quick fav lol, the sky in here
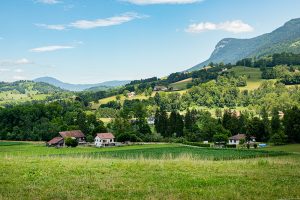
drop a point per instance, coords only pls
(91, 41)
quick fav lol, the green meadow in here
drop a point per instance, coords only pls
(152, 171)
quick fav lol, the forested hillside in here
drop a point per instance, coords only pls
(230, 50)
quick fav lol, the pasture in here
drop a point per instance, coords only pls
(181, 85)
(153, 171)
(253, 76)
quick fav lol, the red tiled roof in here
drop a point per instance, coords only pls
(74, 133)
(238, 137)
(105, 135)
(55, 140)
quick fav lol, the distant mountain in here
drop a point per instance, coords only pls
(80, 87)
(230, 50)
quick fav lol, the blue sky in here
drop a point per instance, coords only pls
(89, 41)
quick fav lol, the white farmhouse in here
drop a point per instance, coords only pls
(104, 139)
(236, 139)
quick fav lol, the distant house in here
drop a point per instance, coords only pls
(56, 142)
(224, 69)
(160, 88)
(151, 120)
(77, 134)
(131, 94)
(104, 139)
(280, 114)
(237, 138)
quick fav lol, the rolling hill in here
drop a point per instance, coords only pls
(230, 50)
(23, 91)
(80, 87)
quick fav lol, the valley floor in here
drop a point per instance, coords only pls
(26, 175)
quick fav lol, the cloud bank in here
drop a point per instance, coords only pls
(9, 63)
(235, 26)
(50, 48)
(48, 1)
(90, 24)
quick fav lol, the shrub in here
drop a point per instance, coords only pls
(279, 138)
(220, 138)
(255, 146)
(124, 137)
(71, 142)
(198, 144)
(231, 146)
(248, 146)
(242, 141)
(89, 138)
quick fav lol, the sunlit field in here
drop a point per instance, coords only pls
(160, 171)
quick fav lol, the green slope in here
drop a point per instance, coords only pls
(283, 39)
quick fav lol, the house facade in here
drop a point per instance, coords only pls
(160, 88)
(104, 139)
(237, 138)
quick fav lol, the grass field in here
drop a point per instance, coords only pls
(30, 171)
(294, 148)
(15, 96)
(181, 85)
(253, 74)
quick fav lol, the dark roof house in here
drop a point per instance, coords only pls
(57, 141)
(238, 137)
(105, 135)
(74, 134)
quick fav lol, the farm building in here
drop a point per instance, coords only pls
(60, 141)
(77, 134)
(104, 139)
(56, 142)
(160, 88)
(237, 138)
(151, 120)
(131, 94)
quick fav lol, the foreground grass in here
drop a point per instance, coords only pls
(161, 171)
(183, 178)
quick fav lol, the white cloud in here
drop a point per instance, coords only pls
(57, 27)
(17, 77)
(89, 24)
(149, 2)
(4, 70)
(18, 70)
(49, 1)
(50, 48)
(236, 26)
(8, 63)
(23, 61)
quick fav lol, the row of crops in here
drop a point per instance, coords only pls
(179, 152)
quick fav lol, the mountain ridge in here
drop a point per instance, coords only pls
(283, 39)
(80, 87)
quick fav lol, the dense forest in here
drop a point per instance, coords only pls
(42, 122)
